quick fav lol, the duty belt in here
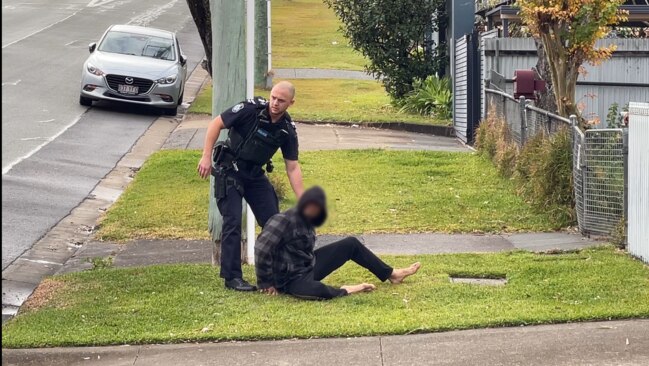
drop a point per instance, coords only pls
(225, 159)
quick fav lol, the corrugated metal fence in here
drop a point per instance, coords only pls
(638, 213)
(466, 87)
(622, 78)
(599, 160)
(460, 85)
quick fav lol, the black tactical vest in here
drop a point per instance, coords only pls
(259, 145)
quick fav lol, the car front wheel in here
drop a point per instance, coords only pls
(87, 102)
(170, 111)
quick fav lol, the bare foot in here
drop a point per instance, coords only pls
(363, 287)
(398, 275)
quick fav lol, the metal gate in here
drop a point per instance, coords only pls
(599, 160)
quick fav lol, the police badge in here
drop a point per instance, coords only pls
(237, 108)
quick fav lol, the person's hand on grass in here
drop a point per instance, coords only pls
(205, 167)
(272, 291)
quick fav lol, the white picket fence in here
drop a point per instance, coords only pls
(638, 173)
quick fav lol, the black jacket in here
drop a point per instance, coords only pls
(284, 250)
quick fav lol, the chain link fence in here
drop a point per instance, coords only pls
(524, 119)
(599, 160)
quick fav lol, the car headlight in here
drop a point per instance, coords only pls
(93, 70)
(168, 80)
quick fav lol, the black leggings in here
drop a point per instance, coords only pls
(328, 259)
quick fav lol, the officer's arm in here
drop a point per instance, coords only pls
(213, 131)
(294, 173)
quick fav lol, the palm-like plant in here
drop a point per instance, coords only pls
(430, 97)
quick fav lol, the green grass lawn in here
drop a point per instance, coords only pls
(334, 100)
(178, 303)
(306, 35)
(369, 191)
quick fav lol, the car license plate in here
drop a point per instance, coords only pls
(127, 89)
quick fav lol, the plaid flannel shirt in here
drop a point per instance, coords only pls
(284, 250)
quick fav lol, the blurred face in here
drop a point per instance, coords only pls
(280, 99)
(312, 211)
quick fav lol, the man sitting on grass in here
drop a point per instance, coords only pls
(286, 262)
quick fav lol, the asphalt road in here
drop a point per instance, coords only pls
(53, 150)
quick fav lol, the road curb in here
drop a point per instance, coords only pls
(614, 342)
(48, 255)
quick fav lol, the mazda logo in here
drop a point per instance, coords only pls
(128, 81)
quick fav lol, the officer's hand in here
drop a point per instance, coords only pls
(205, 167)
(272, 291)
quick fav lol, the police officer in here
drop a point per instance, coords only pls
(257, 129)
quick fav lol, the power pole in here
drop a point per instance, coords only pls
(228, 85)
(262, 50)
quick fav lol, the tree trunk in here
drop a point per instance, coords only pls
(572, 74)
(200, 10)
(546, 99)
(564, 74)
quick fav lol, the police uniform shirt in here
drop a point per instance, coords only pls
(242, 118)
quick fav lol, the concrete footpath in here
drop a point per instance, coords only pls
(190, 134)
(150, 252)
(313, 73)
(598, 343)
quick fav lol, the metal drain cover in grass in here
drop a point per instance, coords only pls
(480, 281)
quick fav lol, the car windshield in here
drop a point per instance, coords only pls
(138, 45)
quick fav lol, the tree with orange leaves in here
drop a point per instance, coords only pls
(569, 30)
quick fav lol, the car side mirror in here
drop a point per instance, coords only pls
(183, 60)
(91, 47)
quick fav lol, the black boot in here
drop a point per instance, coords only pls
(239, 284)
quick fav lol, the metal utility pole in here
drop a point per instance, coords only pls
(250, 93)
(228, 84)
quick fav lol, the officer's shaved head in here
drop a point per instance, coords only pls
(285, 86)
(282, 96)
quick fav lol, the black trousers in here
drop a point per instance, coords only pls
(261, 197)
(328, 259)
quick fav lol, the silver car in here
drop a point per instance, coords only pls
(135, 65)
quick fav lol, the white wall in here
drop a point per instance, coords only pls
(638, 173)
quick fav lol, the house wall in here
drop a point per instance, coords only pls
(461, 17)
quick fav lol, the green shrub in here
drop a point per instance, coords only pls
(393, 36)
(614, 119)
(506, 157)
(619, 234)
(526, 166)
(429, 97)
(486, 139)
(544, 173)
(542, 169)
